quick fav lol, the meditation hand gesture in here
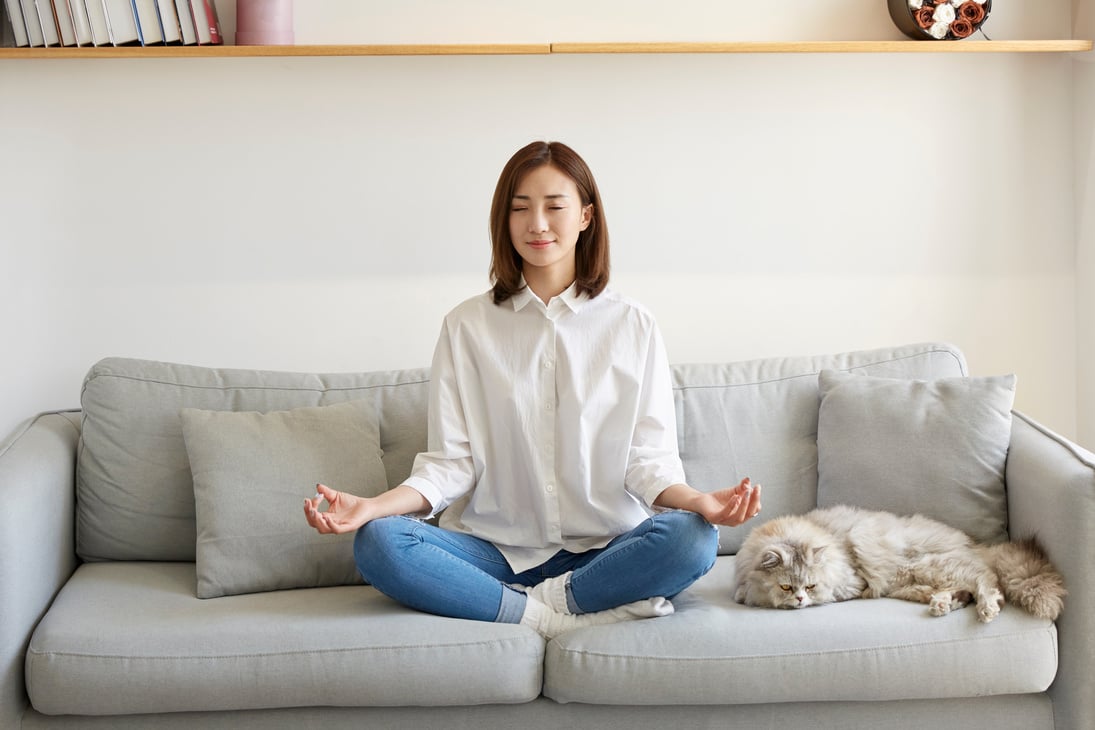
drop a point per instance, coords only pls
(730, 507)
(345, 512)
(733, 506)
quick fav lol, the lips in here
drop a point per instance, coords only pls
(539, 244)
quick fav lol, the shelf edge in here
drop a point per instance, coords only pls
(569, 48)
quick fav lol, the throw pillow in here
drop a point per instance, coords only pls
(252, 472)
(906, 446)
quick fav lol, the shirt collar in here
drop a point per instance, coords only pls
(571, 297)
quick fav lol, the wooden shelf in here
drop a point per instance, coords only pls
(503, 49)
(909, 46)
(493, 49)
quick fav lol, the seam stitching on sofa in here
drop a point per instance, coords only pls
(753, 657)
(504, 643)
(256, 387)
(934, 351)
(15, 437)
(1076, 450)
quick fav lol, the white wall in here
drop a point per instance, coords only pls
(324, 213)
(1084, 96)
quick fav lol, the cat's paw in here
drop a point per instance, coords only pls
(989, 609)
(940, 604)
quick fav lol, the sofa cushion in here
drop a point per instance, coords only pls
(760, 419)
(135, 495)
(126, 638)
(715, 651)
(936, 447)
(252, 472)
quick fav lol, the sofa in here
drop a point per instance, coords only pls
(107, 545)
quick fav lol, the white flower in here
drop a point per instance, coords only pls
(916, 4)
(944, 14)
(939, 30)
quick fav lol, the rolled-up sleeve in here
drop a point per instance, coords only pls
(653, 460)
(445, 471)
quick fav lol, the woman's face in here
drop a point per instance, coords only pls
(546, 216)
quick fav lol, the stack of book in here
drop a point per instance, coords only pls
(113, 22)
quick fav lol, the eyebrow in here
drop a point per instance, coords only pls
(549, 197)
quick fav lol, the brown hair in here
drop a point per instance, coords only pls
(591, 251)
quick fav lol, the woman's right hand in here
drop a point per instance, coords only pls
(345, 512)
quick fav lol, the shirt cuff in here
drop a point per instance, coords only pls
(429, 491)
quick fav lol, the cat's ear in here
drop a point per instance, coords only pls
(817, 553)
(772, 558)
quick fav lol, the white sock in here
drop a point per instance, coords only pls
(549, 624)
(552, 592)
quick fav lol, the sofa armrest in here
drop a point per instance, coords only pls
(37, 541)
(1051, 495)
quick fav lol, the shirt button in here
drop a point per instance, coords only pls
(547, 406)
(548, 363)
(550, 488)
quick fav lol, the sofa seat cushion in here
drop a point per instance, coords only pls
(126, 638)
(715, 651)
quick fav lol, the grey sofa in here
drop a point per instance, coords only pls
(100, 625)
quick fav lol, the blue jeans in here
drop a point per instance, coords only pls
(450, 574)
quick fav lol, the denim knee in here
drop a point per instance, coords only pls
(695, 540)
(376, 545)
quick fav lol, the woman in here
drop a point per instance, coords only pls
(552, 437)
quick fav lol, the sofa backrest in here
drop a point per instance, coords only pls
(135, 498)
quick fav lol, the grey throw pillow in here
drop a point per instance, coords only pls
(252, 472)
(906, 446)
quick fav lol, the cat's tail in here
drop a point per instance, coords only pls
(1027, 578)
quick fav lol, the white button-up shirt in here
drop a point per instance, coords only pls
(550, 426)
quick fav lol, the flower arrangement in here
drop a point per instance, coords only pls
(939, 19)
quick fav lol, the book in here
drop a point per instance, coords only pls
(148, 22)
(206, 23)
(121, 22)
(18, 27)
(100, 31)
(44, 10)
(32, 24)
(63, 17)
(169, 21)
(186, 22)
(81, 23)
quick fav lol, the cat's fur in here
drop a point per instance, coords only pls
(840, 553)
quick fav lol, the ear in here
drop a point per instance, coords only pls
(587, 217)
(772, 558)
(817, 553)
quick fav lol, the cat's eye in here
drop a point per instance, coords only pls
(811, 587)
(785, 588)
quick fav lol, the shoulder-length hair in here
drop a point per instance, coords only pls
(591, 251)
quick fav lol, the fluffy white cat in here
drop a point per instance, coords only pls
(840, 553)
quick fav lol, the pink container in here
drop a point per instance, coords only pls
(264, 22)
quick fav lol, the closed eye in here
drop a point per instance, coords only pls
(811, 587)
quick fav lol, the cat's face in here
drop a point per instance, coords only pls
(792, 577)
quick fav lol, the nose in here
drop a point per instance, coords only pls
(537, 222)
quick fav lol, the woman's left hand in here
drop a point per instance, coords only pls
(730, 507)
(733, 506)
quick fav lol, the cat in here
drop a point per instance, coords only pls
(840, 553)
